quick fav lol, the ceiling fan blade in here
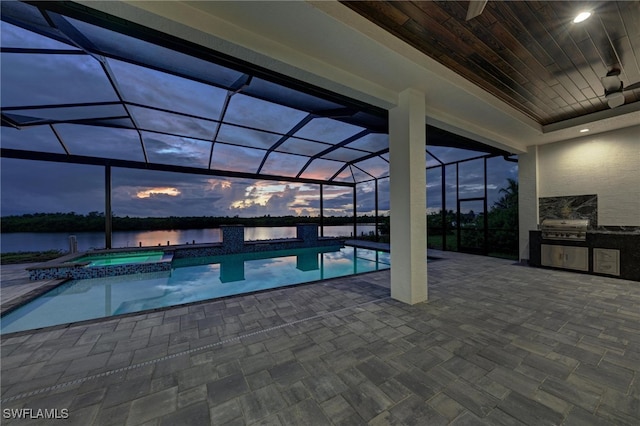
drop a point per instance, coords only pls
(475, 8)
(633, 86)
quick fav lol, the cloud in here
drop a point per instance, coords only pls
(338, 203)
(266, 198)
(197, 195)
(155, 192)
(165, 149)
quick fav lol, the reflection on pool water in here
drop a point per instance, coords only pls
(191, 280)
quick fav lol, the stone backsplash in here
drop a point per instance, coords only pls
(570, 207)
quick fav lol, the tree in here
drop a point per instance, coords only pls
(510, 198)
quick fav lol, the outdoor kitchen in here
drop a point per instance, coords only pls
(569, 237)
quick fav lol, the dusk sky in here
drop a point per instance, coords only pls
(246, 130)
(31, 186)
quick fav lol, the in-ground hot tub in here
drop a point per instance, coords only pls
(105, 264)
(120, 258)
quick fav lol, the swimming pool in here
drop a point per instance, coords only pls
(121, 258)
(191, 280)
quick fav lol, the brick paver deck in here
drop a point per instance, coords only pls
(497, 343)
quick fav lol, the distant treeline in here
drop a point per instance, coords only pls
(94, 222)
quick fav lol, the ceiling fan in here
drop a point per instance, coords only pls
(613, 88)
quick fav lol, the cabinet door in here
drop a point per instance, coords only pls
(576, 258)
(551, 255)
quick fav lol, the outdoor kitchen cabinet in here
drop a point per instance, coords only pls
(611, 254)
(567, 257)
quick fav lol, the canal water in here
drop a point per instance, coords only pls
(41, 241)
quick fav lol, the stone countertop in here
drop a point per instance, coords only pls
(622, 230)
(617, 232)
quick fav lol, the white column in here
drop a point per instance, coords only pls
(407, 138)
(527, 198)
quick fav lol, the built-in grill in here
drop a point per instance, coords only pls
(565, 229)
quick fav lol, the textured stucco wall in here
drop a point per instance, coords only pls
(605, 164)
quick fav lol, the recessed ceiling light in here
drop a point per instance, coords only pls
(582, 16)
(584, 130)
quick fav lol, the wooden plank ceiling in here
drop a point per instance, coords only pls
(527, 53)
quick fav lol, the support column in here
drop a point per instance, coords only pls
(107, 207)
(308, 233)
(232, 238)
(407, 139)
(528, 215)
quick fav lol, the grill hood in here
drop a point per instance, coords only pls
(565, 229)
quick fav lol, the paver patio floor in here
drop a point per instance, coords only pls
(497, 343)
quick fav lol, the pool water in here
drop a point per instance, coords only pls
(191, 280)
(121, 258)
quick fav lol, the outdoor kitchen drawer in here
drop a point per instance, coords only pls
(606, 261)
(565, 257)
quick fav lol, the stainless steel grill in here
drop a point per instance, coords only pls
(565, 229)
